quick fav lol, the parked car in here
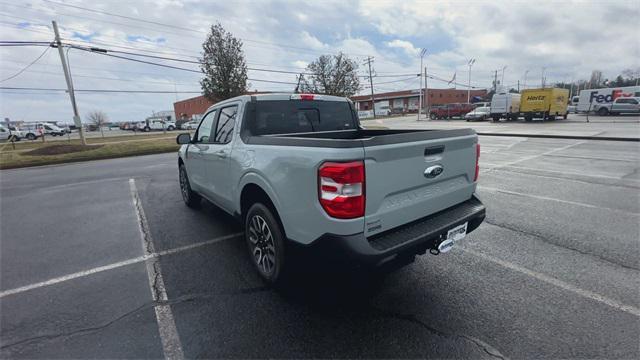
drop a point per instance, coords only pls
(190, 125)
(293, 170)
(32, 131)
(10, 133)
(450, 111)
(51, 129)
(480, 113)
(149, 125)
(482, 104)
(621, 105)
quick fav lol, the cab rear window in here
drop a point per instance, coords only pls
(296, 116)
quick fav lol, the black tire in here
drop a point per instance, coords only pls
(171, 128)
(528, 118)
(565, 116)
(31, 136)
(603, 112)
(495, 118)
(432, 116)
(265, 243)
(190, 197)
(147, 129)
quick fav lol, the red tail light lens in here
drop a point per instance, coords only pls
(475, 178)
(341, 189)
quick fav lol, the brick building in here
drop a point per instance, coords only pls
(408, 100)
(186, 109)
(193, 108)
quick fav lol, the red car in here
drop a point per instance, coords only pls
(449, 111)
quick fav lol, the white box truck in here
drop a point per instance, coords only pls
(505, 105)
(600, 100)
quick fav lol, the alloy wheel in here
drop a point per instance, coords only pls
(262, 245)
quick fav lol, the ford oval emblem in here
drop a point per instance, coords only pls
(433, 171)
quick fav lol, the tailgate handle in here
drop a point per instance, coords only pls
(434, 150)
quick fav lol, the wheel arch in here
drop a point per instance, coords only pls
(252, 193)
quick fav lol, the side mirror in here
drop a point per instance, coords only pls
(183, 139)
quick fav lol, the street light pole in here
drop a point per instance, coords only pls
(471, 62)
(542, 77)
(524, 86)
(502, 80)
(422, 54)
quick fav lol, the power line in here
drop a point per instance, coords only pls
(26, 67)
(94, 51)
(101, 90)
(272, 44)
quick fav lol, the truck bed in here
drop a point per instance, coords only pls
(355, 138)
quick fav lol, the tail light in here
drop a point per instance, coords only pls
(304, 97)
(475, 178)
(341, 189)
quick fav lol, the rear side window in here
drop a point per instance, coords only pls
(226, 123)
(296, 116)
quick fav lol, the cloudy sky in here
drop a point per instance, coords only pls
(567, 38)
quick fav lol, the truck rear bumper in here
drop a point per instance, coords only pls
(401, 242)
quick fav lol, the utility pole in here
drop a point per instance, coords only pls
(426, 92)
(542, 78)
(524, 86)
(373, 102)
(518, 85)
(471, 62)
(422, 54)
(297, 90)
(495, 81)
(67, 76)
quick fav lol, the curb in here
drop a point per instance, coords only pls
(569, 137)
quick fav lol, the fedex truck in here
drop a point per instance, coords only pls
(600, 100)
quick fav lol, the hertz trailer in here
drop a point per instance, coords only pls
(546, 103)
(595, 100)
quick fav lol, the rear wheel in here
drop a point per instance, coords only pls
(265, 242)
(171, 128)
(147, 129)
(528, 118)
(31, 136)
(190, 197)
(603, 112)
(495, 118)
(565, 116)
(432, 116)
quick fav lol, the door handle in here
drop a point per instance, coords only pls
(221, 154)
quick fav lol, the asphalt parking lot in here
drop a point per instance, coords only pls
(102, 259)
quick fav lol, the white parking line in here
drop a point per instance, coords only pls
(496, 190)
(72, 276)
(558, 283)
(115, 265)
(171, 345)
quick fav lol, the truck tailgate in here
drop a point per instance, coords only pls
(404, 182)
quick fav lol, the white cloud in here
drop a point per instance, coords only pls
(569, 38)
(404, 45)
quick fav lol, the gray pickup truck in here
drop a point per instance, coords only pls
(299, 171)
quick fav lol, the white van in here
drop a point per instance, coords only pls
(505, 105)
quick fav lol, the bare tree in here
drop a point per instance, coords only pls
(223, 65)
(332, 75)
(97, 118)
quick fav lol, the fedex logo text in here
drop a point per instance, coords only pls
(607, 98)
